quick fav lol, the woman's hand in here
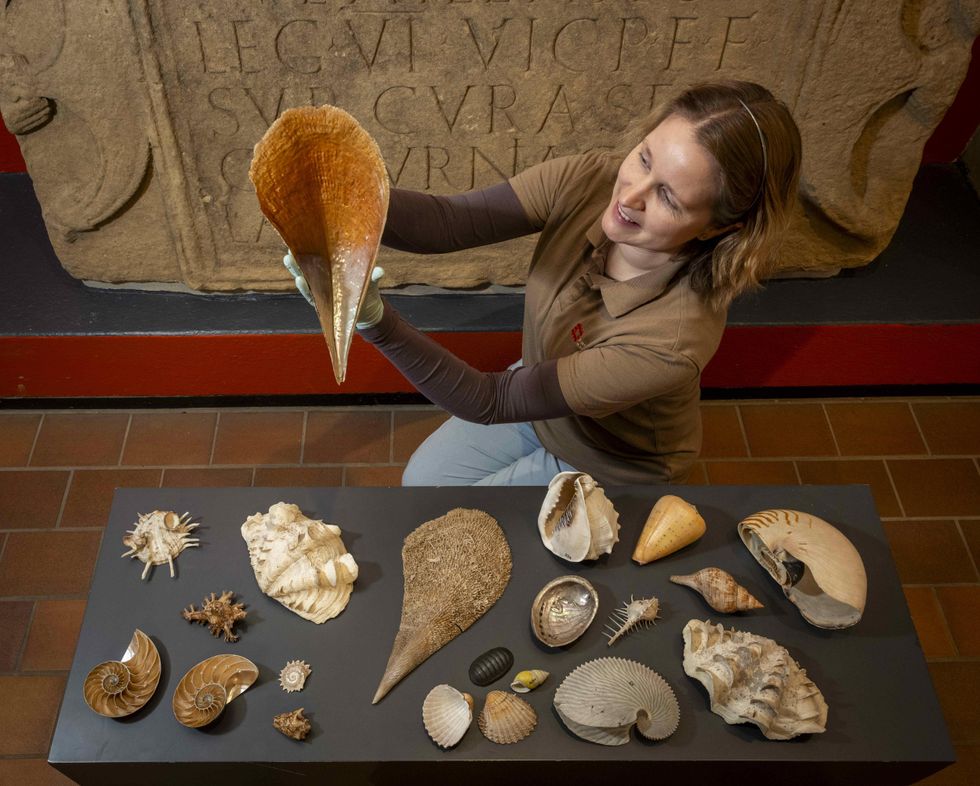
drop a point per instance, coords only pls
(371, 309)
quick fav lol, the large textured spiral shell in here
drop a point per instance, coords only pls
(119, 688)
(204, 691)
(447, 714)
(602, 699)
(506, 718)
(563, 610)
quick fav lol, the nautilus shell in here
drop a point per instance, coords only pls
(158, 537)
(636, 613)
(491, 666)
(816, 565)
(751, 679)
(455, 569)
(119, 688)
(506, 718)
(563, 610)
(603, 699)
(672, 524)
(447, 714)
(577, 521)
(300, 562)
(205, 690)
(321, 181)
(720, 590)
(528, 680)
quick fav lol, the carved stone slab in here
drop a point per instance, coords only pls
(137, 118)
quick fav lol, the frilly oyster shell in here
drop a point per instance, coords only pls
(447, 714)
(577, 521)
(563, 610)
(203, 692)
(119, 688)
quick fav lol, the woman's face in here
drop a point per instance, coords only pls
(664, 194)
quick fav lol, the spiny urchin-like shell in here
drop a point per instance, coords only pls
(119, 688)
(577, 521)
(203, 692)
(563, 610)
(158, 537)
(293, 676)
(506, 718)
(447, 714)
(633, 614)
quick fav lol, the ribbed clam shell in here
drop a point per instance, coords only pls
(491, 666)
(602, 699)
(563, 610)
(203, 692)
(447, 714)
(116, 689)
(506, 718)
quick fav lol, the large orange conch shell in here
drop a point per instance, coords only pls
(671, 525)
(321, 182)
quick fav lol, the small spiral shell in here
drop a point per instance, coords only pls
(204, 691)
(119, 688)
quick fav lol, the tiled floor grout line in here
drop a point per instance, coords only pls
(391, 436)
(251, 481)
(969, 551)
(27, 635)
(919, 427)
(898, 498)
(122, 448)
(3, 546)
(163, 474)
(302, 440)
(37, 434)
(64, 498)
(36, 530)
(745, 436)
(799, 475)
(214, 437)
(343, 476)
(830, 427)
(942, 616)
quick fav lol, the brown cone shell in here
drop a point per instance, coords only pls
(203, 692)
(119, 688)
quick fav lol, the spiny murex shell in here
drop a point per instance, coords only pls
(506, 718)
(720, 590)
(301, 562)
(219, 614)
(293, 676)
(601, 701)
(321, 181)
(118, 688)
(528, 680)
(293, 724)
(447, 714)
(455, 568)
(158, 538)
(563, 610)
(673, 523)
(816, 565)
(577, 521)
(205, 690)
(751, 679)
(633, 614)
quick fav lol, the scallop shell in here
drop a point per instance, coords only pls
(157, 538)
(293, 676)
(526, 681)
(563, 610)
(601, 701)
(671, 525)
(816, 565)
(300, 562)
(720, 590)
(751, 679)
(455, 568)
(577, 521)
(293, 724)
(506, 718)
(119, 688)
(491, 666)
(447, 714)
(633, 614)
(321, 181)
(203, 692)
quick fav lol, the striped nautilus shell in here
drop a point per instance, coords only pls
(204, 691)
(119, 688)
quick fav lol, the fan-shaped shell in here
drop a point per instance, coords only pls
(577, 521)
(447, 714)
(300, 562)
(491, 666)
(506, 718)
(601, 700)
(816, 565)
(720, 590)
(673, 523)
(203, 692)
(563, 610)
(119, 688)
(321, 181)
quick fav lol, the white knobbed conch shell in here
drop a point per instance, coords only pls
(506, 718)
(720, 590)
(526, 681)
(602, 699)
(293, 676)
(633, 614)
(119, 688)
(816, 565)
(203, 692)
(322, 183)
(751, 679)
(300, 562)
(577, 521)
(563, 610)
(673, 523)
(158, 537)
(447, 714)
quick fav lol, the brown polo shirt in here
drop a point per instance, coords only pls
(630, 353)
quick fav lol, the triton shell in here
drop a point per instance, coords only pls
(300, 562)
(491, 666)
(720, 590)
(203, 692)
(506, 718)
(321, 181)
(219, 614)
(447, 714)
(158, 537)
(633, 614)
(751, 679)
(455, 569)
(293, 676)
(293, 724)
(119, 688)
(601, 700)
(671, 525)
(526, 681)
(816, 565)
(563, 610)
(577, 521)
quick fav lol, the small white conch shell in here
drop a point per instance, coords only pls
(671, 525)
(506, 718)
(816, 565)
(563, 610)
(119, 688)
(720, 590)
(447, 714)
(526, 681)
(158, 537)
(637, 612)
(577, 521)
(205, 690)
(293, 676)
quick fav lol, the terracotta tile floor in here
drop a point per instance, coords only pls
(58, 470)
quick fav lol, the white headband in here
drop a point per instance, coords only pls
(762, 141)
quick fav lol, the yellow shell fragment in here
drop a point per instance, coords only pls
(321, 181)
(671, 525)
(119, 688)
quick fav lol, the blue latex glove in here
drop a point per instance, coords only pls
(371, 309)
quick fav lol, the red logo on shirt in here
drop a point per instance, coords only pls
(577, 333)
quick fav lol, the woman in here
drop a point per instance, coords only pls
(627, 293)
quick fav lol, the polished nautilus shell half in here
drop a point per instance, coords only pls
(447, 714)
(300, 562)
(563, 610)
(817, 567)
(603, 699)
(673, 523)
(119, 688)
(158, 537)
(577, 521)
(720, 590)
(205, 690)
(752, 679)
(321, 181)
(506, 718)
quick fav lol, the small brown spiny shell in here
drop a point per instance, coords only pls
(293, 724)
